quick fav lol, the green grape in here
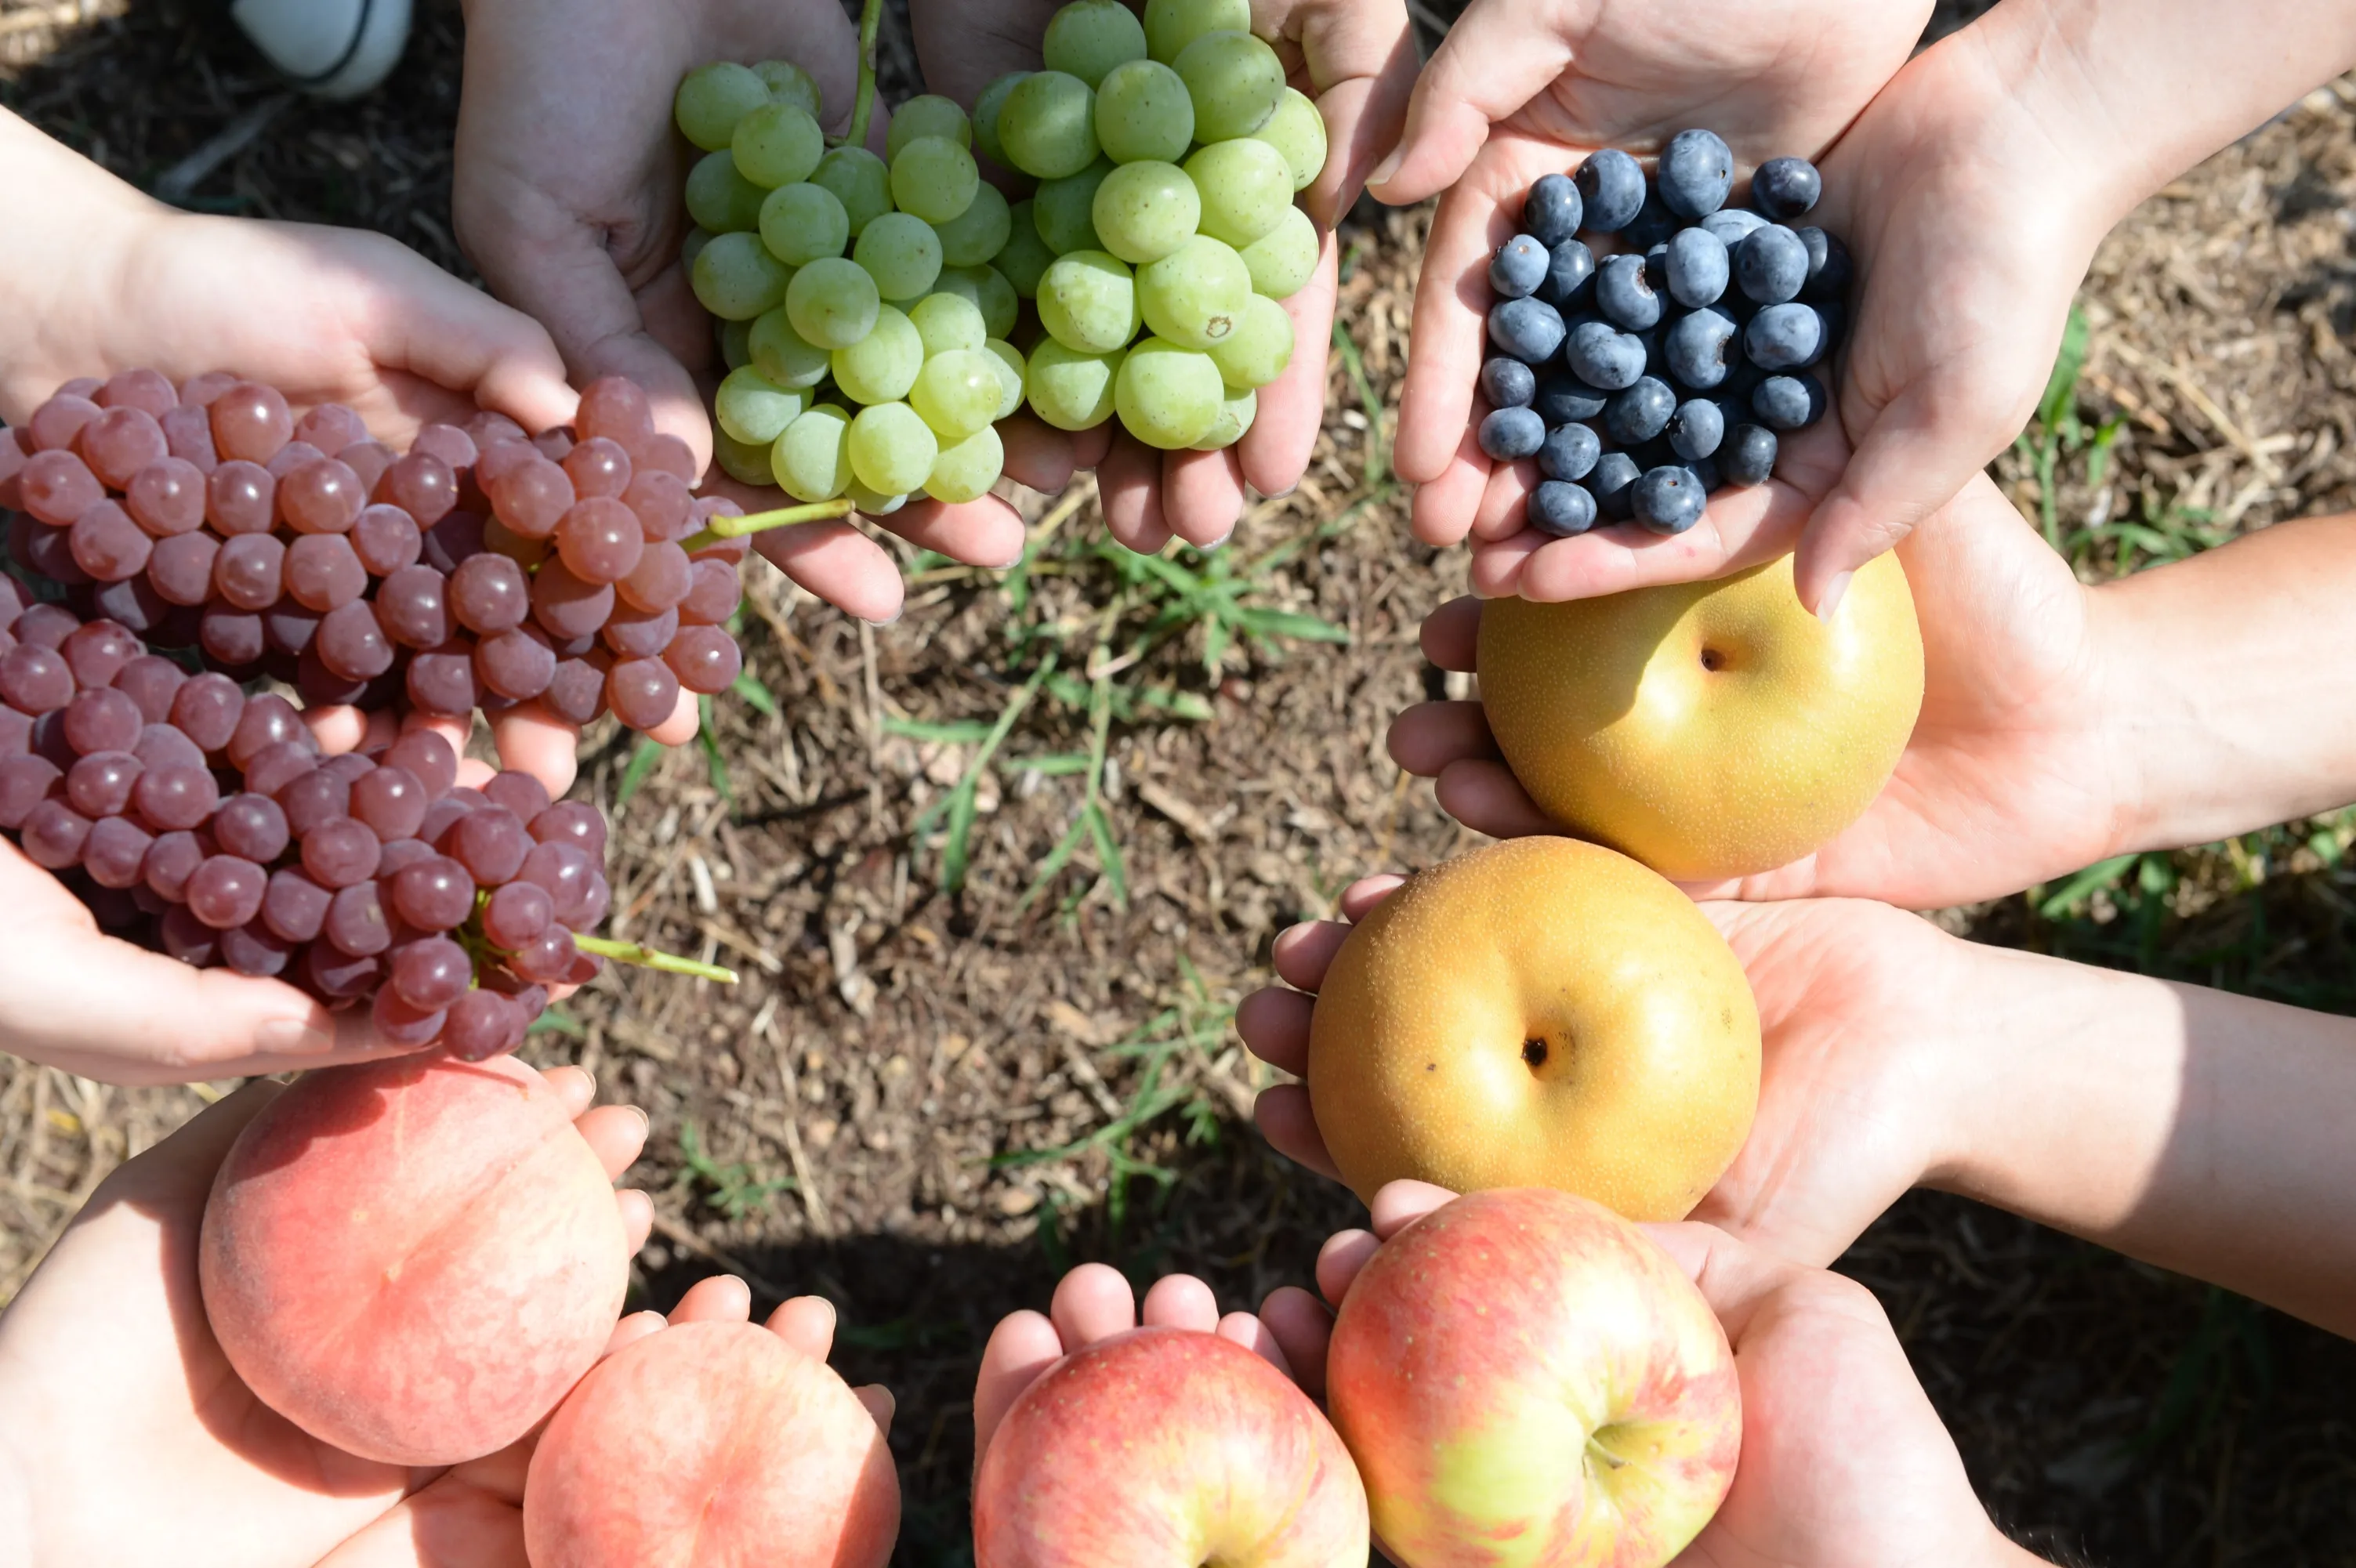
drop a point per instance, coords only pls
(1171, 25)
(745, 464)
(1285, 257)
(1144, 113)
(804, 223)
(902, 253)
(1247, 188)
(832, 302)
(1234, 81)
(789, 84)
(693, 246)
(928, 114)
(1236, 411)
(782, 355)
(720, 199)
(860, 180)
(812, 460)
(958, 392)
(1047, 124)
(980, 232)
(1069, 390)
(1089, 37)
(881, 367)
(713, 98)
(1297, 131)
(1024, 257)
(985, 118)
(1168, 396)
(966, 471)
(1065, 210)
(891, 450)
(946, 321)
(988, 288)
(1258, 349)
(873, 503)
(1014, 376)
(1088, 301)
(1195, 296)
(735, 344)
(935, 179)
(777, 144)
(755, 409)
(1145, 211)
(736, 279)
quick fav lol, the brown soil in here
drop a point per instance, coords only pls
(924, 1104)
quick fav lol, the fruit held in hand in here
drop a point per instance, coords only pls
(712, 1442)
(1541, 1012)
(1164, 1448)
(1523, 1377)
(413, 1260)
(1709, 730)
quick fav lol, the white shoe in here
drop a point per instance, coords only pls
(331, 49)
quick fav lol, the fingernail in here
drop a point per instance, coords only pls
(644, 1126)
(1830, 602)
(892, 619)
(293, 1037)
(1385, 171)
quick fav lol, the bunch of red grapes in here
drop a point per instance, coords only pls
(484, 569)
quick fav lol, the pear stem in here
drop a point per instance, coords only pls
(648, 958)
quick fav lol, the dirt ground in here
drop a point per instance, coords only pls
(924, 1104)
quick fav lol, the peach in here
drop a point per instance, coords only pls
(414, 1259)
(712, 1444)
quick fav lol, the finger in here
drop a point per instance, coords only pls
(618, 1133)
(1302, 952)
(1497, 56)
(1038, 455)
(1498, 564)
(1093, 1302)
(1401, 1203)
(1367, 52)
(716, 1298)
(1340, 1260)
(1910, 461)
(637, 1326)
(1129, 487)
(1486, 798)
(1274, 1024)
(531, 739)
(1446, 337)
(1285, 1119)
(1504, 501)
(1090, 446)
(1359, 898)
(1444, 504)
(1451, 635)
(686, 718)
(1302, 1329)
(1428, 736)
(987, 532)
(879, 1402)
(1202, 496)
(338, 728)
(1275, 452)
(1180, 1301)
(1743, 527)
(1242, 1329)
(574, 1090)
(1022, 1346)
(637, 1218)
(1733, 1277)
(838, 564)
(807, 1322)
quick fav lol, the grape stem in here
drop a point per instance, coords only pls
(870, 23)
(725, 527)
(648, 958)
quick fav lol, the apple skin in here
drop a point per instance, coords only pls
(1711, 730)
(1167, 1448)
(1527, 1382)
(1421, 1048)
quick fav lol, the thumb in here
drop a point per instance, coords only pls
(1733, 1277)
(1499, 55)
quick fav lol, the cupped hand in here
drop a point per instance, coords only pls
(1356, 59)
(2013, 775)
(113, 1387)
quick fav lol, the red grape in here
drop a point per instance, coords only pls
(518, 792)
(46, 552)
(490, 843)
(518, 914)
(261, 723)
(531, 496)
(500, 458)
(35, 679)
(517, 665)
(599, 541)
(576, 688)
(635, 634)
(24, 783)
(180, 568)
(175, 798)
(565, 606)
(547, 958)
(481, 1025)
(490, 593)
(321, 497)
(56, 423)
(615, 408)
(293, 456)
(162, 745)
(240, 497)
(434, 895)
(563, 870)
(369, 459)
(190, 436)
(422, 484)
(15, 733)
(448, 443)
(97, 651)
(660, 580)
(209, 709)
(101, 784)
(231, 638)
(255, 951)
(324, 573)
(56, 487)
(350, 766)
(295, 907)
(250, 422)
(171, 861)
(441, 681)
(199, 391)
(340, 852)
(351, 644)
(53, 835)
(432, 974)
(337, 974)
(168, 497)
(391, 801)
(321, 686)
(189, 939)
(331, 427)
(598, 466)
(46, 625)
(120, 442)
(714, 595)
(254, 826)
(386, 538)
(108, 545)
(574, 822)
(115, 853)
(453, 541)
(357, 923)
(487, 428)
(146, 389)
(103, 719)
(227, 891)
(138, 608)
(428, 758)
(251, 572)
(401, 1024)
(664, 505)
(412, 607)
(317, 797)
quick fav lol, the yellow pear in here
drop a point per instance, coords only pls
(1539, 1013)
(1709, 729)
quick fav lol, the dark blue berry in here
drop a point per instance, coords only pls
(1625, 295)
(1771, 264)
(1788, 402)
(1561, 508)
(1835, 317)
(1698, 350)
(1786, 187)
(1611, 188)
(1570, 451)
(1697, 171)
(1704, 471)
(1784, 338)
(1698, 267)
(1552, 211)
(1603, 357)
(1518, 268)
(1696, 429)
(1653, 224)
(1668, 499)
(1529, 330)
(1614, 476)
(1640, 413)
(1565, 400)
(1570, 277)
(1508, 383)
(1732, 224)
(1830, 269)
(1508, 435)
(1748, 455)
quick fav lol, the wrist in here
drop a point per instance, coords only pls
(60, 280)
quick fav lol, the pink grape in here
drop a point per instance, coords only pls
(428, 758)
(227, 891)
(295, 907)
(518, 914)
(252, 826)
(357, 922)
(434, 895)
(120, 442)
(483, 1024)
(115, 854)
(250, 422)
(168, 497)
(490, 843)
(386, 538)
(240, 499)
(174, 798)
(103, 719)
(340, 852)
(391, 801)
(101, 785)
(432, 974)
(401, 1024)
(317, 798)
(412, 607)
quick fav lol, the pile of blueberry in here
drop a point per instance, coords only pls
(1643, 381)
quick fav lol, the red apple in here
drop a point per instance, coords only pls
(1526, 1378)
(1165, 1448)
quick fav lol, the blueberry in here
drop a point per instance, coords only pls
(1561, 508)
(1784, 338)
(1697, 171)
(1656, 266)
(1705, 472)
(1698, 267)
(1614, 476)
(1552, 209)
(1653, 224)
(1625, 295)
(1771, 265)
(1570, 452)
(1835, 317)
(1748, 455)
(1564, 399)
(1570, 277)
(1742, 378)
(1668, 499)
(1508, 435)
(1788, 402)
(1611, 188)
(1732, 224)
(1640, 413)
(1529, 330)
(1830, 269)
(1603, 357)
(1701, 348)
(1696, 429)
(1518, 268)
(1786, 187)
(1508, 383)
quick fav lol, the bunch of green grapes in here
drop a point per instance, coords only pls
(1163, 230)
(864, 329)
